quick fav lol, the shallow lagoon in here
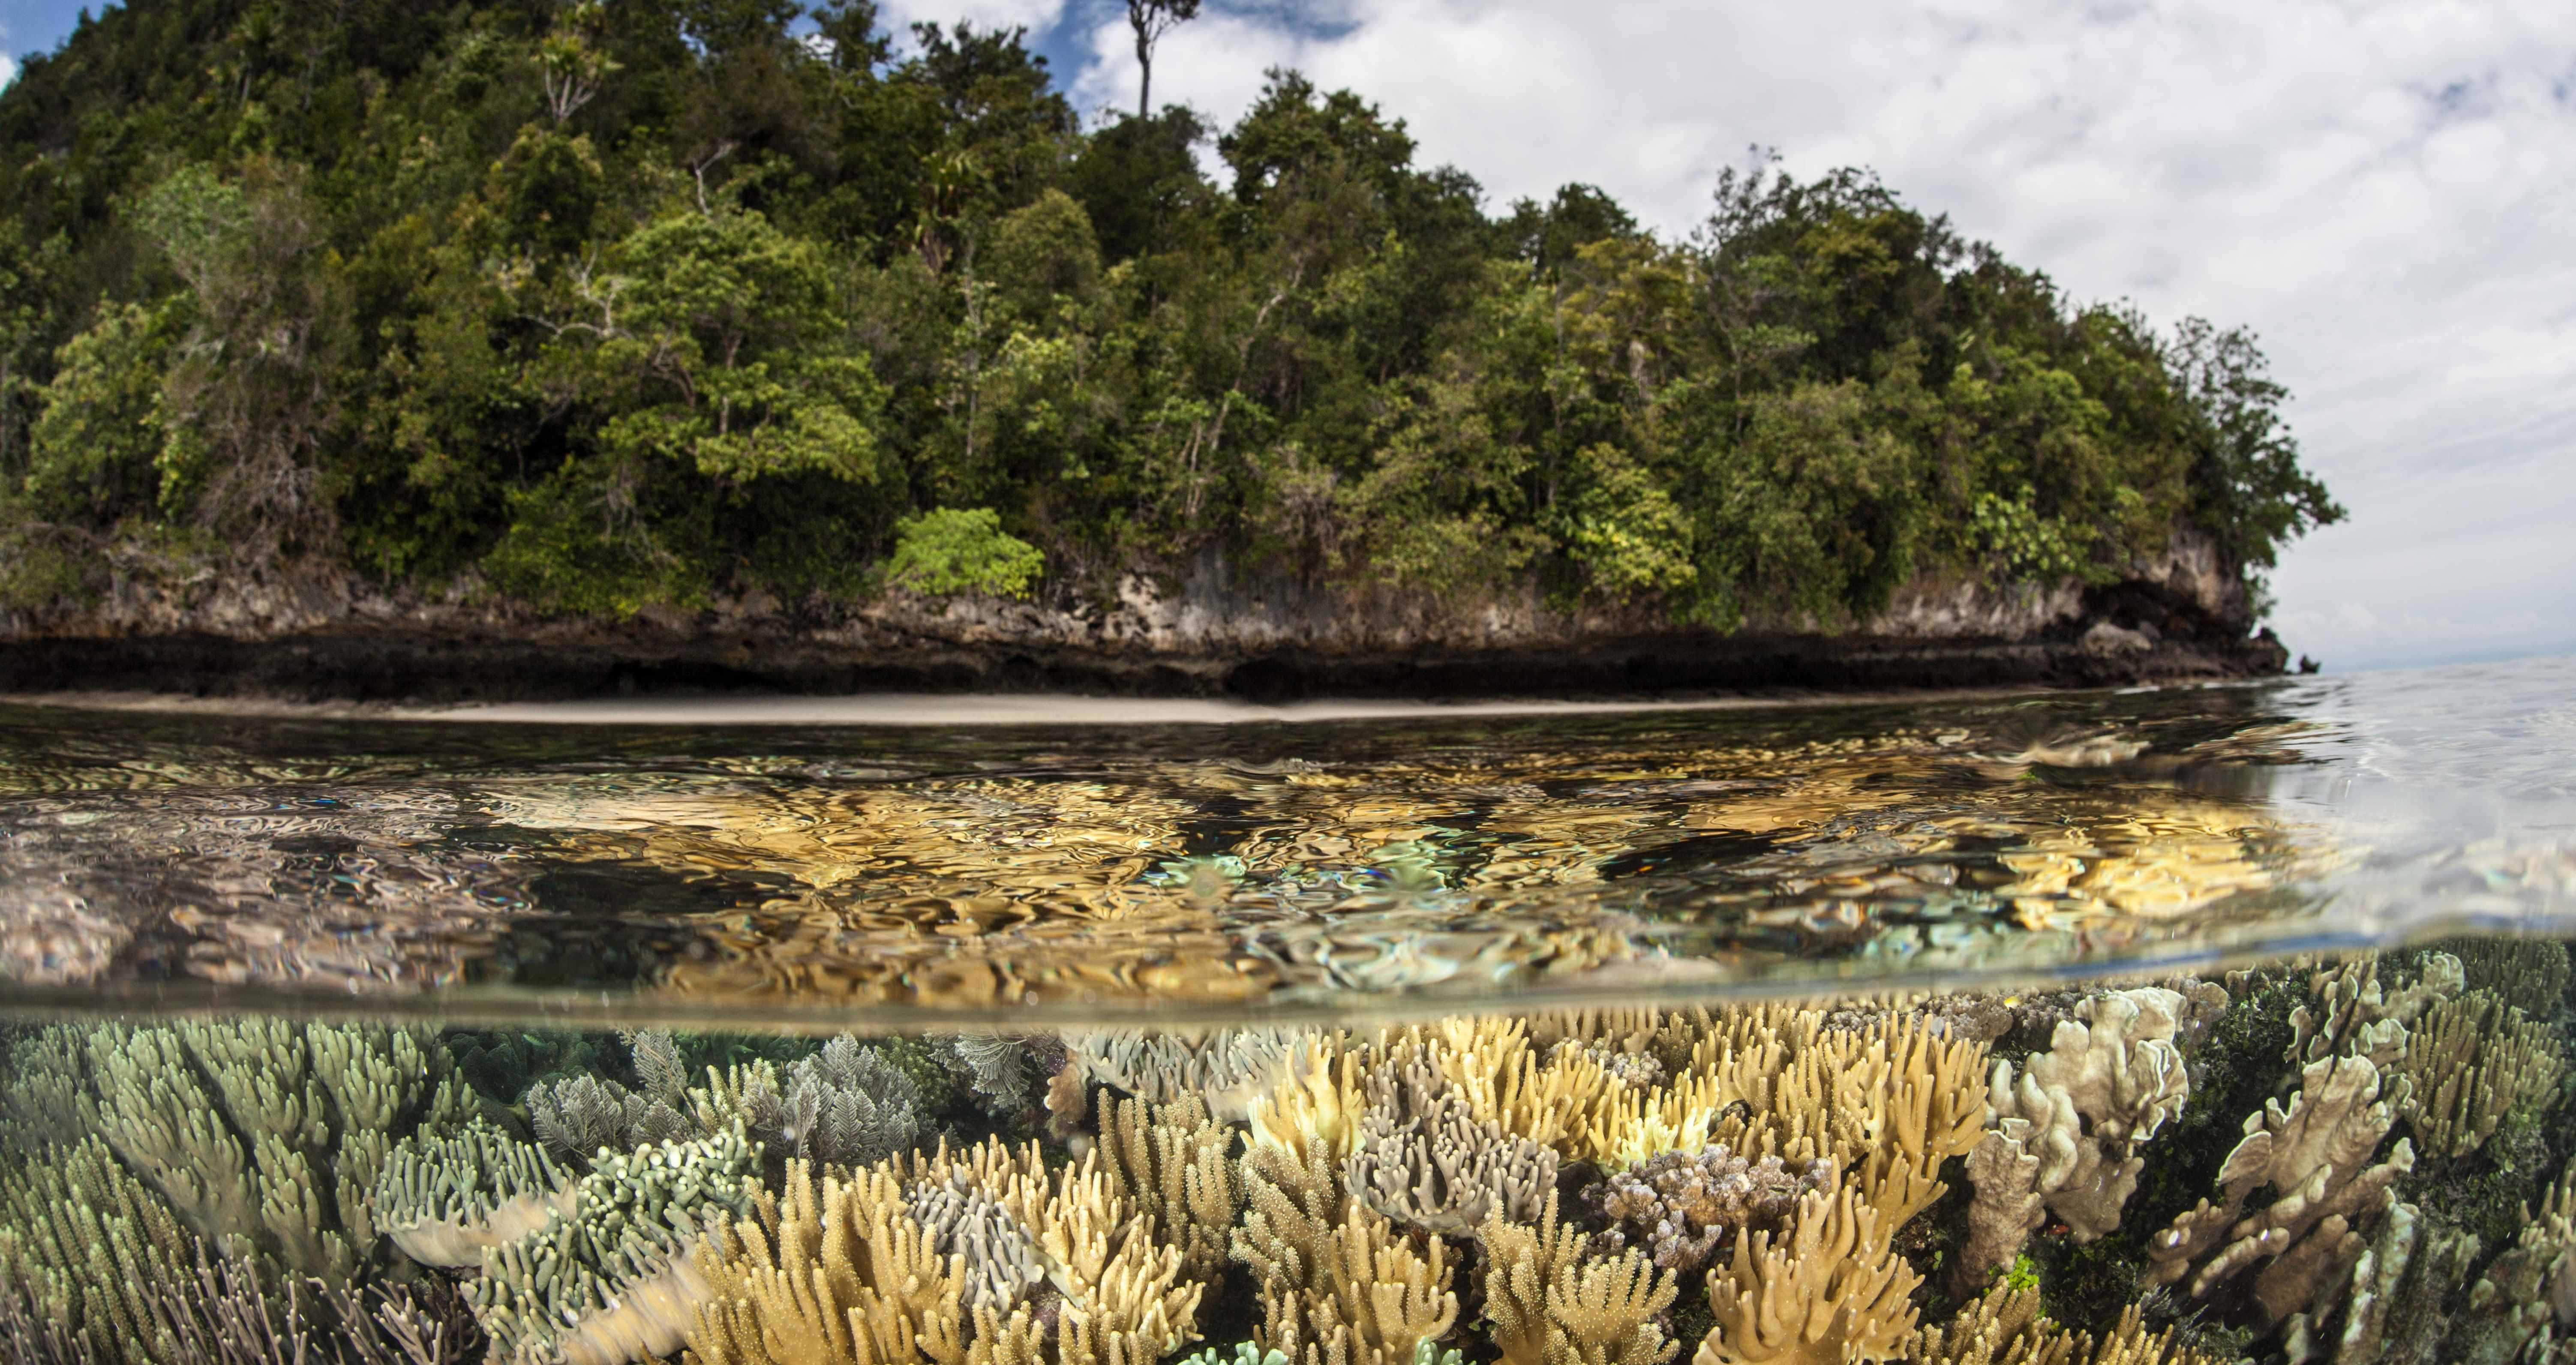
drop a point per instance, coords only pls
(2191, 1024)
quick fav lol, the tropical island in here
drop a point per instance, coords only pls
(524, 348)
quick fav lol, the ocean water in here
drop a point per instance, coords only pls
(2186, 1024)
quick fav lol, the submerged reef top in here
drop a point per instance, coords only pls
(2364, 1163)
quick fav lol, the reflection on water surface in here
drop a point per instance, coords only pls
(778, 872)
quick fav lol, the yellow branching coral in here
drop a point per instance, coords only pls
(1551, 1306)
(1338, 1284)
(1177, 1163)
(1490, 1061)
(1917, 1101)
(1321, 1100)
(2472, 1059)
(848, 1274)
(841, 1275)
(1835, 1292)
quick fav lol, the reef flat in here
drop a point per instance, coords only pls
(2364, 1162)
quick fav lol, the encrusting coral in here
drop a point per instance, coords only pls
(1680, 1204)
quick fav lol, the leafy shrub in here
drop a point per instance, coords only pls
(954, 550)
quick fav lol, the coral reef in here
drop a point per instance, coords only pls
(1680, 1204)
(2069, 1122)
(613, 1279)
(1833, 1290)
(844, 1103)
(2469, 1061)
(444, 1199)
(264, 1136)
(1736, 1185)
(844, 1271)
(1551, 1305)
(1224, 1070)
(1177, 1163)
(2315, 1154)
(1425, 1160)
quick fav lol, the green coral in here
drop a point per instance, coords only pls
(614, 1267)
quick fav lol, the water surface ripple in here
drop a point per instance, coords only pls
(820, 874)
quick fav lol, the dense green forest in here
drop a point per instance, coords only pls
(601, 305)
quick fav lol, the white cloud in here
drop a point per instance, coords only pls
(2385, 190)
(8, 69)
(1037, 16)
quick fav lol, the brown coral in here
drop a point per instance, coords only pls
(1680, 1205)
(1550, 1305)
(2470, 1060)
(1338, 1284)
(2316, 1153)
(1177, 1164)
(1832, 1292)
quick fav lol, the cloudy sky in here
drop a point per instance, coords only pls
(2384, 189)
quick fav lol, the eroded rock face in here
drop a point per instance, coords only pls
(1215, 631)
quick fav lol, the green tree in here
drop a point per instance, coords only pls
(962, 550)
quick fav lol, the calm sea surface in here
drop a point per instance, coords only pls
(712, 872)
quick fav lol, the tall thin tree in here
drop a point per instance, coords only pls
(1152, 19)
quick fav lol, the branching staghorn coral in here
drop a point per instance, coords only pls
(1680, 1205)
(1224, 1069)
(2470, 1060)
(1321, 1100)
(2069, 1122)
(1829, 1292)
(2315, 1153)
(967, 1223)
(614, 1279)
(1338, 1285)
(1178, 1165)
(444, 1200)
(580, 1115)
(839, 1272)
(85, 1246)
(845, 1272)
(2524, 1306)
(1425, 1160)
(1550, 1305)
(2530, 972)
(265, 1136)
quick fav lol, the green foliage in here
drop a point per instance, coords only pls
(951, 550)
(630, 304)
(96, 447)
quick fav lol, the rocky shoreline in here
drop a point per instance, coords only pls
(1213, 633)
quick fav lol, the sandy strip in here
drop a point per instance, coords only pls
(932, 708)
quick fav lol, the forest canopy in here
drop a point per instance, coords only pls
(622, 303)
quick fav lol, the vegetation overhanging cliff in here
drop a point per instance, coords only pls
(715, 338)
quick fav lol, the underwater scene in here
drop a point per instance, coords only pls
(2206, 1024)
